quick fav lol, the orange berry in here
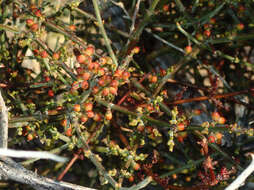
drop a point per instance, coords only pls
(64, 122)
(215, 116)
(86, 76)
(114, 83)
(81, 59)
(101, 71)
(30, 137)
(180, 127)
(34, 27)
(166, 8)
(240, 26)
(197, 111)
(118, 73)
(136, 166)
(113, 90)
(131, 179)
(188, 49)
(97, 117)
(174, 176)
(136, 50)
(101, 82)
(89, 50)
(29, 22)
(105, 92)
(95, 89)
(126, 75)
(55, 56)
(83, 118)
(72, 27)
(108, 115)
(76, 107)
(103, 61)
(88, 106)
(84, 85)
(219, 136)
(222, 120)
(212, 20)
(90, 114)
(153, 79)
(68, 132)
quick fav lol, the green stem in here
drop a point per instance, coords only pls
(104, 34)
(126, 111)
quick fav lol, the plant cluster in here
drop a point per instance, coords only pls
(163, 102)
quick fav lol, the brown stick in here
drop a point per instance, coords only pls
(203, 98)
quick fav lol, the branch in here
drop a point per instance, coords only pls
(20, 174)
(31, 154)
(3, 123)
(239, 181)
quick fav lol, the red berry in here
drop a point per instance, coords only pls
(38, 13)
(207, 33)
(211, 139)
(44, 54)
(50, 93)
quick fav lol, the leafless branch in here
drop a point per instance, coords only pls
(239, 181)
(3, 123)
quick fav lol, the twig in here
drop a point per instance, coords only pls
(75, 157)
(203, 98)
(3, 123)
(104, 34)
(239, 181)
(31, 154)
(134, 17)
